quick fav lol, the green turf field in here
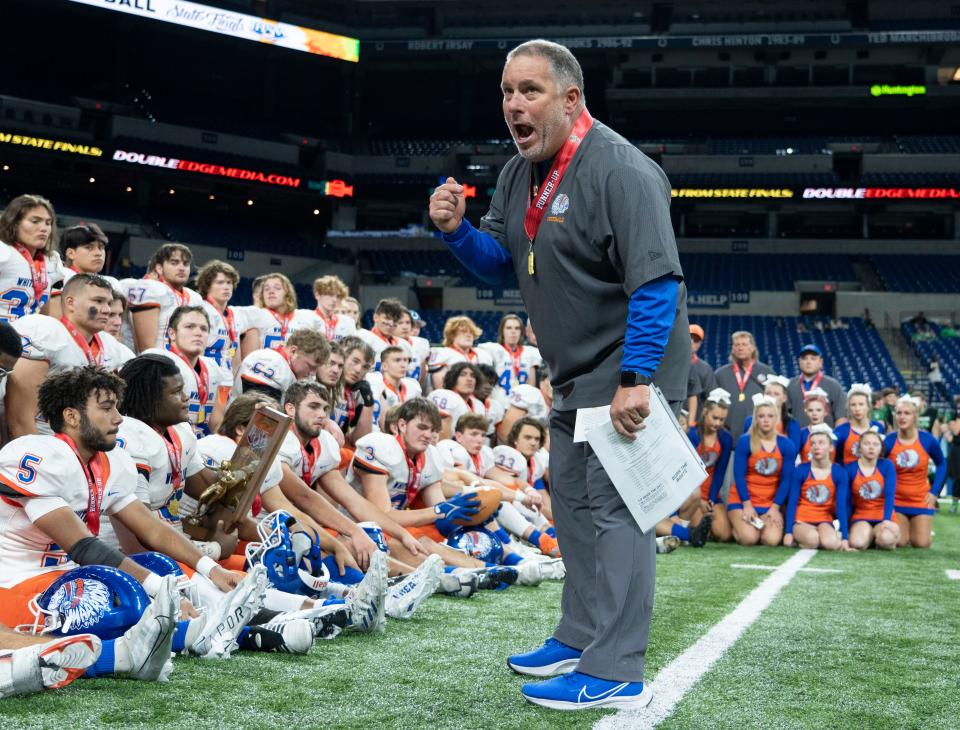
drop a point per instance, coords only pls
(874, 646)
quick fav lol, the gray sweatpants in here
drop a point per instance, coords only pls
(608, 591)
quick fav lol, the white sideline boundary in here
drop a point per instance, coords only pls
(953, 574)
(676, 679)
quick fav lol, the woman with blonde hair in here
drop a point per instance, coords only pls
(911, 451)
(714, 444)
(29, 265)
(858, 422)
(762, 467)
(274, 312)
(459, 334)
(775, 386)
(873, 488)
(819, 491)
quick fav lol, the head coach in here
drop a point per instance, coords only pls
(583, 219)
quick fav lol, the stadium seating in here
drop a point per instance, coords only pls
(775, 272)
(947, 351)
(932, 273)
(853, 355)
(944, 144)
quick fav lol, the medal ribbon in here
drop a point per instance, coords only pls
(179, 294)
(414, 470)
(813, 384)
(536, 208)
(175, 455)
(308, 459)
(202, 378)
(228, 320)
(742, 382)
(515, 356)
(284, 321)
(92, 350)
(38, 271)
(95, 486)
(329, 325)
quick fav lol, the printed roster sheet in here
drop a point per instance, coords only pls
(656, 472)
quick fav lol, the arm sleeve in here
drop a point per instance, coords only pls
(720, 470)
(480, 252)
(936, 453)
(740, 458)
(842, 487)
(842, 433)
(650, 316)
(889, 487)
(786, 472)
(796, 484)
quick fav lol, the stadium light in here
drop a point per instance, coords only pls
(172, 191)
(211, 197)
(6, 167)
(129, 189)
(249, 202)
(316, 211)
(93, 179)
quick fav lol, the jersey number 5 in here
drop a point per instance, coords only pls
(26, 473)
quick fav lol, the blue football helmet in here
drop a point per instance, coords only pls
(93, 599)
(477, 542)
(165, 565)
(293, 565)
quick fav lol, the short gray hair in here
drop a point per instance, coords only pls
(563, 64)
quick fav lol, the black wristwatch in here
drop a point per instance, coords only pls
(630, 379)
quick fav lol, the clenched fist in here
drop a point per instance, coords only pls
(447, 206)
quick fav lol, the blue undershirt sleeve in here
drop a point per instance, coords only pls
(480, 252)
(936, 453)
(796, 484)
(842, 488)
(889, 487)
(786, 471)
(720, 470)
(740, 458)
(650, 316)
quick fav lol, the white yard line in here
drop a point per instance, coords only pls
(953, 574)
(755, 566)
(676, 679)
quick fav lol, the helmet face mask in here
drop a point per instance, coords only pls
(289, 569)
(165, 565)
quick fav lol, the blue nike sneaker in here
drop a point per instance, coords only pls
(577, 691)
(554, 657)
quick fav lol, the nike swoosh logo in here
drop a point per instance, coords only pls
(584, 695)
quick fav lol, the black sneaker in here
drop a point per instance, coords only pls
(496, 578)
(700, 533)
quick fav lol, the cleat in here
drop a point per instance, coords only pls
(576, 691)
(287, 636)
(223, 625)
(405, 596)
(528, 573)
(667, 543)
(461, 585)
(554, 657)
(526, 551)
(553, 569)
(495, 578)
(700, 533)
(149, 641)
(549, 546)
(366, 600)
(63, 661)
(326, 621)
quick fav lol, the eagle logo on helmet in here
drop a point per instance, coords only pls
(80, 603)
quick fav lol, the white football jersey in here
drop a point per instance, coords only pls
(275, 328)
(420, 349)
(46, 338)
(264, 367)
(478, 464)
(156, 463)
(17, 295)
(382, 454)
(207, 378)
(512, 462)
(385, 397)
(151, 293)
(530, 399)
(69, 273)
(442, 357)
(323, 456)
(216, 449)
(513, 368)
(379, 343)
(224, 342)
(335, 328)
(449, 404)
(39, 474)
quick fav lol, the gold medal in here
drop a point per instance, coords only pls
(743, 397)
(530, 267)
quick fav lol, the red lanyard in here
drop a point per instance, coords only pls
(202, 378)
(175, 455)
(742, 382)
(536, 208)
(351, 406)
(93, 350)
(95, 473)
(814, 384)
(470, 355)
(414, 471)
(531, 462)
(386, 338)
(308, 459)
(515, 356)
(329, 325)
(38, 271)
(477, 460)
(228, 321)
(401, 394)
(284, 321)
(693, 358)
(179, 294)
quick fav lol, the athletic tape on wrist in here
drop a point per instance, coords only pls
(205, 565)
(152, 584)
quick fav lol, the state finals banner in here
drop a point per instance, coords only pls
(238, 25)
